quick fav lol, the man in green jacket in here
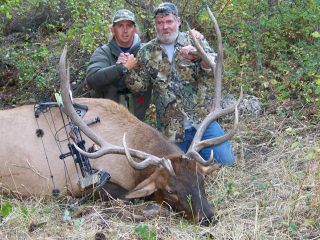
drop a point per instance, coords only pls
(109, 64)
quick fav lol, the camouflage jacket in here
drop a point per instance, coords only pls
(182, 89)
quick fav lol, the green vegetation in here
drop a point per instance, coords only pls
(5, 209)
(145, 232)
(271, 47)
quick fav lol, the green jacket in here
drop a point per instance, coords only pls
(106, 78)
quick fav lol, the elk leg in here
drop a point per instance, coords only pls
(111, 191)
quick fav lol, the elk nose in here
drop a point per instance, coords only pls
(206, 221)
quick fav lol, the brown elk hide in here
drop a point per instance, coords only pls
(24, 166)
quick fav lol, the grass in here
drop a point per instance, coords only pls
(273, 192)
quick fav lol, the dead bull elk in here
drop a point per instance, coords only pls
(30, 164)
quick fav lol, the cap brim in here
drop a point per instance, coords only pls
(123, 19)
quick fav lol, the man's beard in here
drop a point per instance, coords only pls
(168, 39)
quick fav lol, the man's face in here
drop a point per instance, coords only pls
(123, 32)
(167, 27)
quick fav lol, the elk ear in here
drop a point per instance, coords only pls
(206, 170)
(143, 189)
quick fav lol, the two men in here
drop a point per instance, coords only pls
(109, 64)
(182, 86)
(182, 83)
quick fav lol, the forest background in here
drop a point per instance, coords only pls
(272, 50)
(271, 46)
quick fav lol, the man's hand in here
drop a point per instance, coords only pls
(188, 53)
(205, 65)
(128, 60)
(122, 59)
(131, 62)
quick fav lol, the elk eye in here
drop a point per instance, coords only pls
(169, 191)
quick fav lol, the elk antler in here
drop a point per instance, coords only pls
(216, 110)
(148, 161)
(105, 147)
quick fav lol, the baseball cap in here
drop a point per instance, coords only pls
(123, 14)
(165, 8)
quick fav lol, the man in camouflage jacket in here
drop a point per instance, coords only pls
(182, 84)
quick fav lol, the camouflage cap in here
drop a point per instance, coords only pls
(123, 14)
(165, 8)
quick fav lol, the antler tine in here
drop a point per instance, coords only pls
(105, 147)
(200, 50)
(218, 74)
(216, 68)
(197, 145)
(216, 111)
(151, 160)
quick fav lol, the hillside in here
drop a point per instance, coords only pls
(271, 50)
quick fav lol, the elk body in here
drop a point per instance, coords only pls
(25, 170)
(30, 164)
(24, 167)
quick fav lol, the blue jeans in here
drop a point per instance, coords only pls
(222, 153)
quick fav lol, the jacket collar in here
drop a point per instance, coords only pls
(181, 39)
(115, 50)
